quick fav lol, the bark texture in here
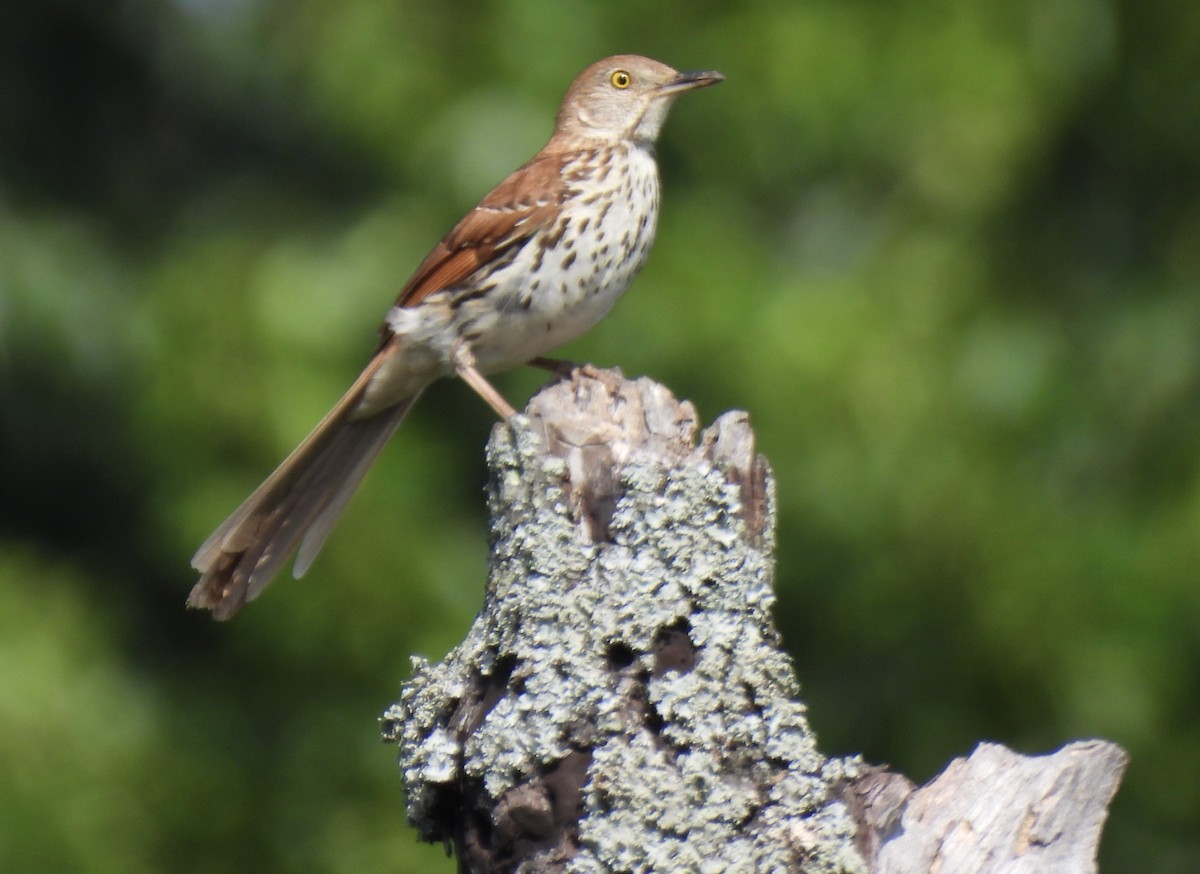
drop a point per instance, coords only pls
(623, 703)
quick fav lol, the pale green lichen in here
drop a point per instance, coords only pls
(708, 767)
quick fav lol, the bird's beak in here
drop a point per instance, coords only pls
(692, 80)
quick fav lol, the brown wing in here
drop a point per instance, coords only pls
(527, 200)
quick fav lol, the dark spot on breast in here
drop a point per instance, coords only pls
(474, 294)
(568, 261)
(552, 240)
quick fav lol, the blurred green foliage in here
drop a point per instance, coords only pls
(946, 252)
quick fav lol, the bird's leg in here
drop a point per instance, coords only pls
(464, 365)
(558, 366)
(561, 368)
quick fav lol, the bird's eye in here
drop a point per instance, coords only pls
(621, 79)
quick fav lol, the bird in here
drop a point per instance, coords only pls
(538, 262)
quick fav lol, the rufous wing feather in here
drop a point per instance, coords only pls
(501, 220)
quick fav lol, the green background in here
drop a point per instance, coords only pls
(946, 254)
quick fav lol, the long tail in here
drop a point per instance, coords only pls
(297, 505)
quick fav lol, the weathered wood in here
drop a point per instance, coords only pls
(623, 703)
(994, 811)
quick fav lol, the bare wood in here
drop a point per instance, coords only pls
(623, 701)
(994, 811)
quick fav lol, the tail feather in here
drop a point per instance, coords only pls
(298, 504)
(345, 482)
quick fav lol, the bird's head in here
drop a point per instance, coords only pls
(625, 97)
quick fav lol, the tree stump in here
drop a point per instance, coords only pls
(623, 702)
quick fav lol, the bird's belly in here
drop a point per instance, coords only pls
(548, 296)
(565, 304)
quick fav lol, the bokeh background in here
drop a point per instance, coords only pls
(946, 253)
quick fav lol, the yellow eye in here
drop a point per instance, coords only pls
(621, 79)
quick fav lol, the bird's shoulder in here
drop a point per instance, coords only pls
(527, 200)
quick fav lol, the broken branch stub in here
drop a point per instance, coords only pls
(622, 701)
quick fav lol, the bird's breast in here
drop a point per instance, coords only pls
(568, 275)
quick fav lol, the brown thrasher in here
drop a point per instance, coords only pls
(538, 262)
